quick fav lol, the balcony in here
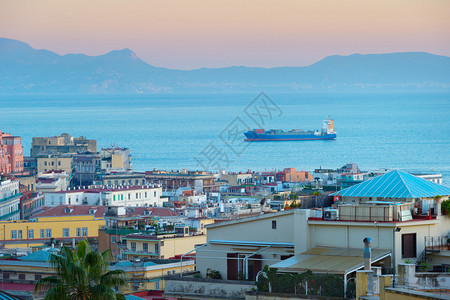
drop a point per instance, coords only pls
(374, 212)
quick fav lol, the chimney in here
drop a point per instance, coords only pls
(367, 254)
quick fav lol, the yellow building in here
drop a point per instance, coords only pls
(60, 223)
(57, 163)
(29, 181)
(140, 246)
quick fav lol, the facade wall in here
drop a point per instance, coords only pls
(134, 197)
(291, 175)
(128, 179)
(9, 200)
(164, 248)
(61, 144)
(45, 164)
(11, 154)
(31, 231)
(256, 229)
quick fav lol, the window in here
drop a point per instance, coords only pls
(409, 245)
(30, 233)
(114, 197)
(59, 163)
(53, 163)
(37, 277)
(274, 224)
(19, 234)
(145, 247)
(154, 194)
(21, 276)
(85, 231)
(5, 275)
(113, 239)
(157, 285)
(78, 231)
(156, 248)
(45, 163)
(65, 232)
(13, 234)
(133, 246)
(48, 233)
(42, 235)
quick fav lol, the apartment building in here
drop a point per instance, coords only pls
(11, 154)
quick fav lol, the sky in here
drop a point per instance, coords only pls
(189, 34)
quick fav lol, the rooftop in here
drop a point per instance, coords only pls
(395, 184)
(71, 210)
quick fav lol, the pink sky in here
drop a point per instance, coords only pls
(190, 34)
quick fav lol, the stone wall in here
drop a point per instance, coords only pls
(206, 288)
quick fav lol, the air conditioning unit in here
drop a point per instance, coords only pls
(331, 214)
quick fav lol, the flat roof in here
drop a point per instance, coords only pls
(329, 260)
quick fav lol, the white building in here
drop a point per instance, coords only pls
(9, 199)
(119, 196)
(52, 181)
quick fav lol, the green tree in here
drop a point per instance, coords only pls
(445, 207)
(82, 275)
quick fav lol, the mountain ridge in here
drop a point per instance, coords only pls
(24, 69)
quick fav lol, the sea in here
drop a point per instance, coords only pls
(376, 130)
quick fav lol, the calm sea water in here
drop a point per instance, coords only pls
(409, 131)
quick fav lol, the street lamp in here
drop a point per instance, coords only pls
(396, 229)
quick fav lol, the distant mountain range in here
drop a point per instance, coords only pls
(25, 70)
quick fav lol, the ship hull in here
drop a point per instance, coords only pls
(263, 137)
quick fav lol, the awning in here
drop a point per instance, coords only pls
(329, 260)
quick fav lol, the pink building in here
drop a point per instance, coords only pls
(11, 154)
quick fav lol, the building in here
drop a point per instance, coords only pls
(9, 198)
(27, 180)
(11, 154)
(237, 179)
(383, 209)
(291, 175)
(118, 196)
(86, 168)
(115, 160)
(130, 179)
(63, 144)
(22, 273)
(55, 163)
(348, 179)
(30, 203)
(199, 181)
(52, 181)
(122, 221)
(149, 274)
(436, 178)
(62, 223)
(143, 275)
(165, 246)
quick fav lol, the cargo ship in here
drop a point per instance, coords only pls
(326, 133)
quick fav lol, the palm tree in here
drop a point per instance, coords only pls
(82, 275)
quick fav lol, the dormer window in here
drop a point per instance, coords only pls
(147, 212)
(68, 210)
